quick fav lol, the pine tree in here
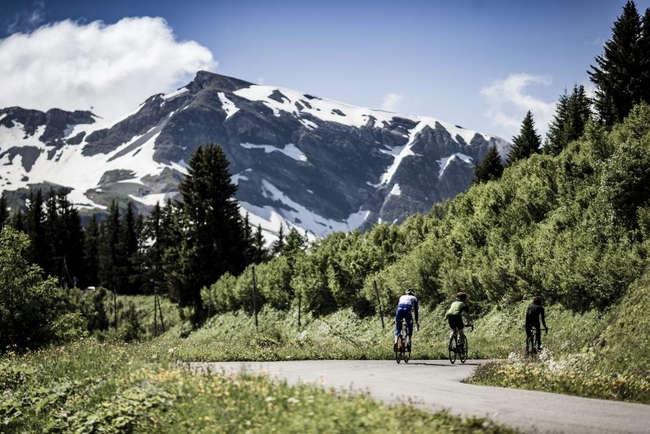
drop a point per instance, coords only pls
(34, 221)
(490, 168)
(214, 241)
(578, 114)
(555, 140)
(154, 235)
(618, 75)
(18, 220)
(644, 48)
(91, 253)
(527, 143)
(69, 239)
(260, 252)
(109, 249)
(278, 244)
(4, 211)
(571, 116)
(128, 243)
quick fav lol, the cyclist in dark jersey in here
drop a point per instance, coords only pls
(455, 316)
(533, 314)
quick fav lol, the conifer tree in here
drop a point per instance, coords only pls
(526, 143)
(214, 240)
(276, 247)
(618, 73)
(91, 253)
(33, 221)
(260, 252)
(128, 243)
(18, 220)
(490, 168)
(109, 250)
(568, 124)
(644, 48)
(4, 211)
(69, 239)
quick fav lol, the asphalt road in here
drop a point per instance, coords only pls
(436, 385)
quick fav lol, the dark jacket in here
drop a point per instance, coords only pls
(533, 313)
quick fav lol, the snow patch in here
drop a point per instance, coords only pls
(400, 153)
(229, 107)
(395, 191)
(238, 177)
(289, 150)
(176, 94)
(294, 212)
(444, 162)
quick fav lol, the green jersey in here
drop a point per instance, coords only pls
(457, 308)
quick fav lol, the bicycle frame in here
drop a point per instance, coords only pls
(533, 336)
(403, 352)
(454, 345)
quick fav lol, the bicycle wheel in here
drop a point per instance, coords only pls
(398, 350)
(452, 350)
(465, 350)
(530, 344)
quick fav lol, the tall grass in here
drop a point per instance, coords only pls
(103, 387)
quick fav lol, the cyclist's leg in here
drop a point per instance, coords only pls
(528, 331)
(397, 327)
(398, 323)
(409, 325)
(452, 326)
(409, 329)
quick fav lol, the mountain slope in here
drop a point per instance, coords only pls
(303, 161)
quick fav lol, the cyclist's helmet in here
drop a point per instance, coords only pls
(537, 300)
(461, 296)
(410, 291)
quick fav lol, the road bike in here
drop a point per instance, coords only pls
(403, 345)
(455, 349)
(531, 338)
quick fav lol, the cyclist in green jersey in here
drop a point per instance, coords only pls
(455, 316)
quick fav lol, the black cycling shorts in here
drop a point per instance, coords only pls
(456, 322)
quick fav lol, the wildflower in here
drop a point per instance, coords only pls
(293, 400)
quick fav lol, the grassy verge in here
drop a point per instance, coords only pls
(93, 387)
(612, 363)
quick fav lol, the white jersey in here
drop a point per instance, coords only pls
(407, 302)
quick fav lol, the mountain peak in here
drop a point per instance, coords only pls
(301, 161)
(206, 79)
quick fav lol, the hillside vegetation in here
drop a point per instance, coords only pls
(571, 228)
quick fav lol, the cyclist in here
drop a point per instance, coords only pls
(407, 303)
(533, 313)
(455, 317)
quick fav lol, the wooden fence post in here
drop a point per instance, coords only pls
(255, 300)
(381, 311)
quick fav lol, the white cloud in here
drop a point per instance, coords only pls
(508, 101)
(112, 68)
(391, 102)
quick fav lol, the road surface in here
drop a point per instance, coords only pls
(436, 385)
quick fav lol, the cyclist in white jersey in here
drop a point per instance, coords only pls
(407, 303)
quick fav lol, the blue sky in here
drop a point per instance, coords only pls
(476, 63)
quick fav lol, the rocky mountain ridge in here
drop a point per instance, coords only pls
(298, 160)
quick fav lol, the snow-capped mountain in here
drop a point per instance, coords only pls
(307, 162)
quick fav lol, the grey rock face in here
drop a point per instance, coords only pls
(318, 164)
